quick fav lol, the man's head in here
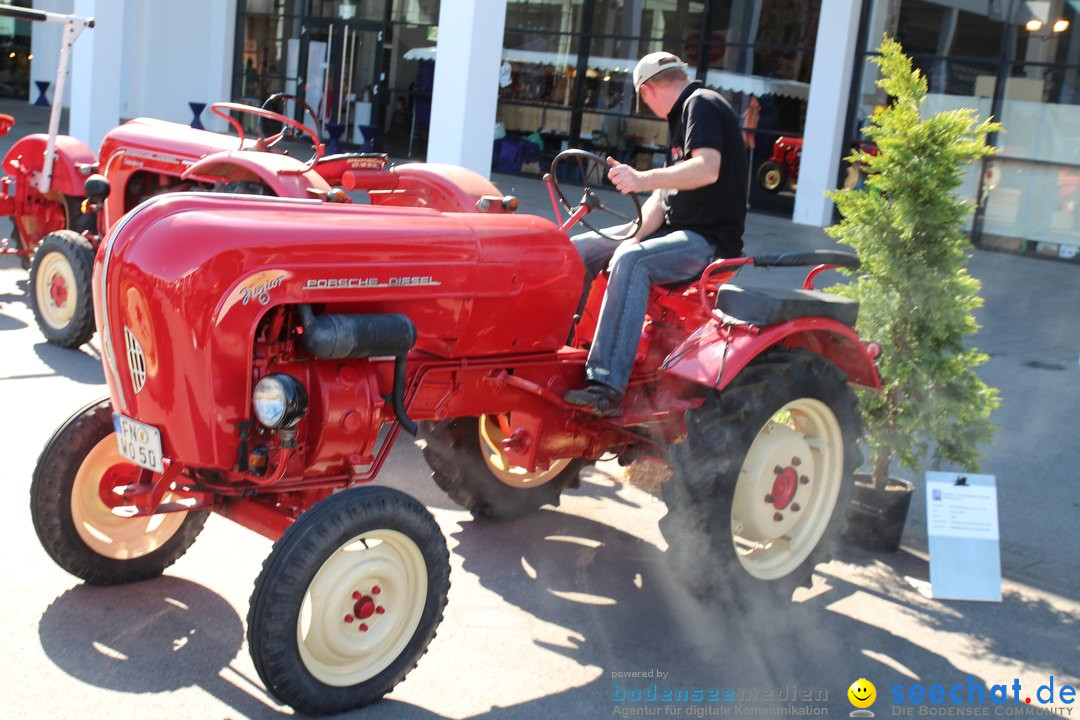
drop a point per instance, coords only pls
(659, 78)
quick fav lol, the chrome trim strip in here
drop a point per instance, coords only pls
(110, 355)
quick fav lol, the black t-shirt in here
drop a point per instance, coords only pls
(702, 118)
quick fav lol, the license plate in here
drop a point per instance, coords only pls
(138, 442)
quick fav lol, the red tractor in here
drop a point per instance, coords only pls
(782, 169)
(263, 355)
(62, 199)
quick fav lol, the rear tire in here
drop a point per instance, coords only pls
(759, 486)
(770, 176)
(77, 529)
(348, 600)
(61, 274)
(468, 464)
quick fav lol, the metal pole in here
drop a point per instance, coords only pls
(73, 27)
(341, 73)
(352, 67)
(324, 109)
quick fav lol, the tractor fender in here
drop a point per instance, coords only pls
(285, 176)
(27, 155)
(713, 357)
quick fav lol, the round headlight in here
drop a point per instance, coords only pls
(279, 400)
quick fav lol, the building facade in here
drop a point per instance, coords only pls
(522, 79)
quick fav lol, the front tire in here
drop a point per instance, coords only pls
(348, 600)
(78, 467)
(468, 463)
(60, 288)
(758, 487)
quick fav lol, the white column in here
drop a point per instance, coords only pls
(830, 87)
(466, 89)
(97, 58)
(45, 46)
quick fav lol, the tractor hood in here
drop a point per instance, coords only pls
(183, 280)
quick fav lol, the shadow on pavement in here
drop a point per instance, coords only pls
(83, 364)
(159, 636)
(149, 637)
(9, 323)
(623, 612)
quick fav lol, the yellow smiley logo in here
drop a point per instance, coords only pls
(862, 693)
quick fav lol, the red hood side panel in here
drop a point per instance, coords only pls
(188, 276)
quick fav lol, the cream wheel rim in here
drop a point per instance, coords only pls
(362, 608)
(787, 489)
(492, 435)
(107, 534)
(56, 304)
(772, 179)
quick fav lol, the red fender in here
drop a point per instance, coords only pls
(713, 355)
(28, 155)
(284, 175)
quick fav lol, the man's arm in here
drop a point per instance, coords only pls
(652, 217)
(703, 168)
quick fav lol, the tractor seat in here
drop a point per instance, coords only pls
(769, 305)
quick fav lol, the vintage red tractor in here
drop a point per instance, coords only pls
(782, 168)
(62, 199)
(263, 355)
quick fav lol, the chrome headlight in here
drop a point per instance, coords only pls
(279, 401)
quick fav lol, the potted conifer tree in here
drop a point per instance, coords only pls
(917, 300)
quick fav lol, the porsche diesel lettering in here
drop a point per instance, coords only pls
(369, 282)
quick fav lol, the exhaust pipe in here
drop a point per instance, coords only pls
(339, 336)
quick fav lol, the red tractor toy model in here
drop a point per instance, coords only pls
(62, 200)
(782, 169)
(263, 354)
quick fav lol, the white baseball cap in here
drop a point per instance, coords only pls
(654, 63)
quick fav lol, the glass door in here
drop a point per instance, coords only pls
(338, 73)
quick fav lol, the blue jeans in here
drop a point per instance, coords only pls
(667, 256)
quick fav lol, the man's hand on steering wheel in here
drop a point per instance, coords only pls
(625, 178)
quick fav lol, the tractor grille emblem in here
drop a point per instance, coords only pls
(136, 360)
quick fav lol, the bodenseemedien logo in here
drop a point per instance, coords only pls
(862, 695)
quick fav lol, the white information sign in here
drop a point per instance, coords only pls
(966, 511)
(962, 527)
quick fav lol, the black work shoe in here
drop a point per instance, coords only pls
(597, 398)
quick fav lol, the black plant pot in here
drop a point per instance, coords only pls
(876, 516)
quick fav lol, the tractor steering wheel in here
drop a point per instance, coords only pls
(224, 110)
(594, 168)
(288, 131)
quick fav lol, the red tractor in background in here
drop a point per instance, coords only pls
(263, 354)
(62, 199)
(782, 168)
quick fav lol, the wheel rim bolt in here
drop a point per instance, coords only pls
(804, 480)
(796, 461)
(376, 590)
(363, 627)
(356, 595)
(795, 507)
(768, 499)
(380, 610)
(778, 470)
(778, 517)
(349, 618)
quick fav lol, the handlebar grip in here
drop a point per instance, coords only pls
(839, 258)
(23, 13)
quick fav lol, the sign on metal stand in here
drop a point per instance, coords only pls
(962, 525)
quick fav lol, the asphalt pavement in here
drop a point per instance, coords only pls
(552, 615)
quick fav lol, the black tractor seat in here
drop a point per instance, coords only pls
(769, 305)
